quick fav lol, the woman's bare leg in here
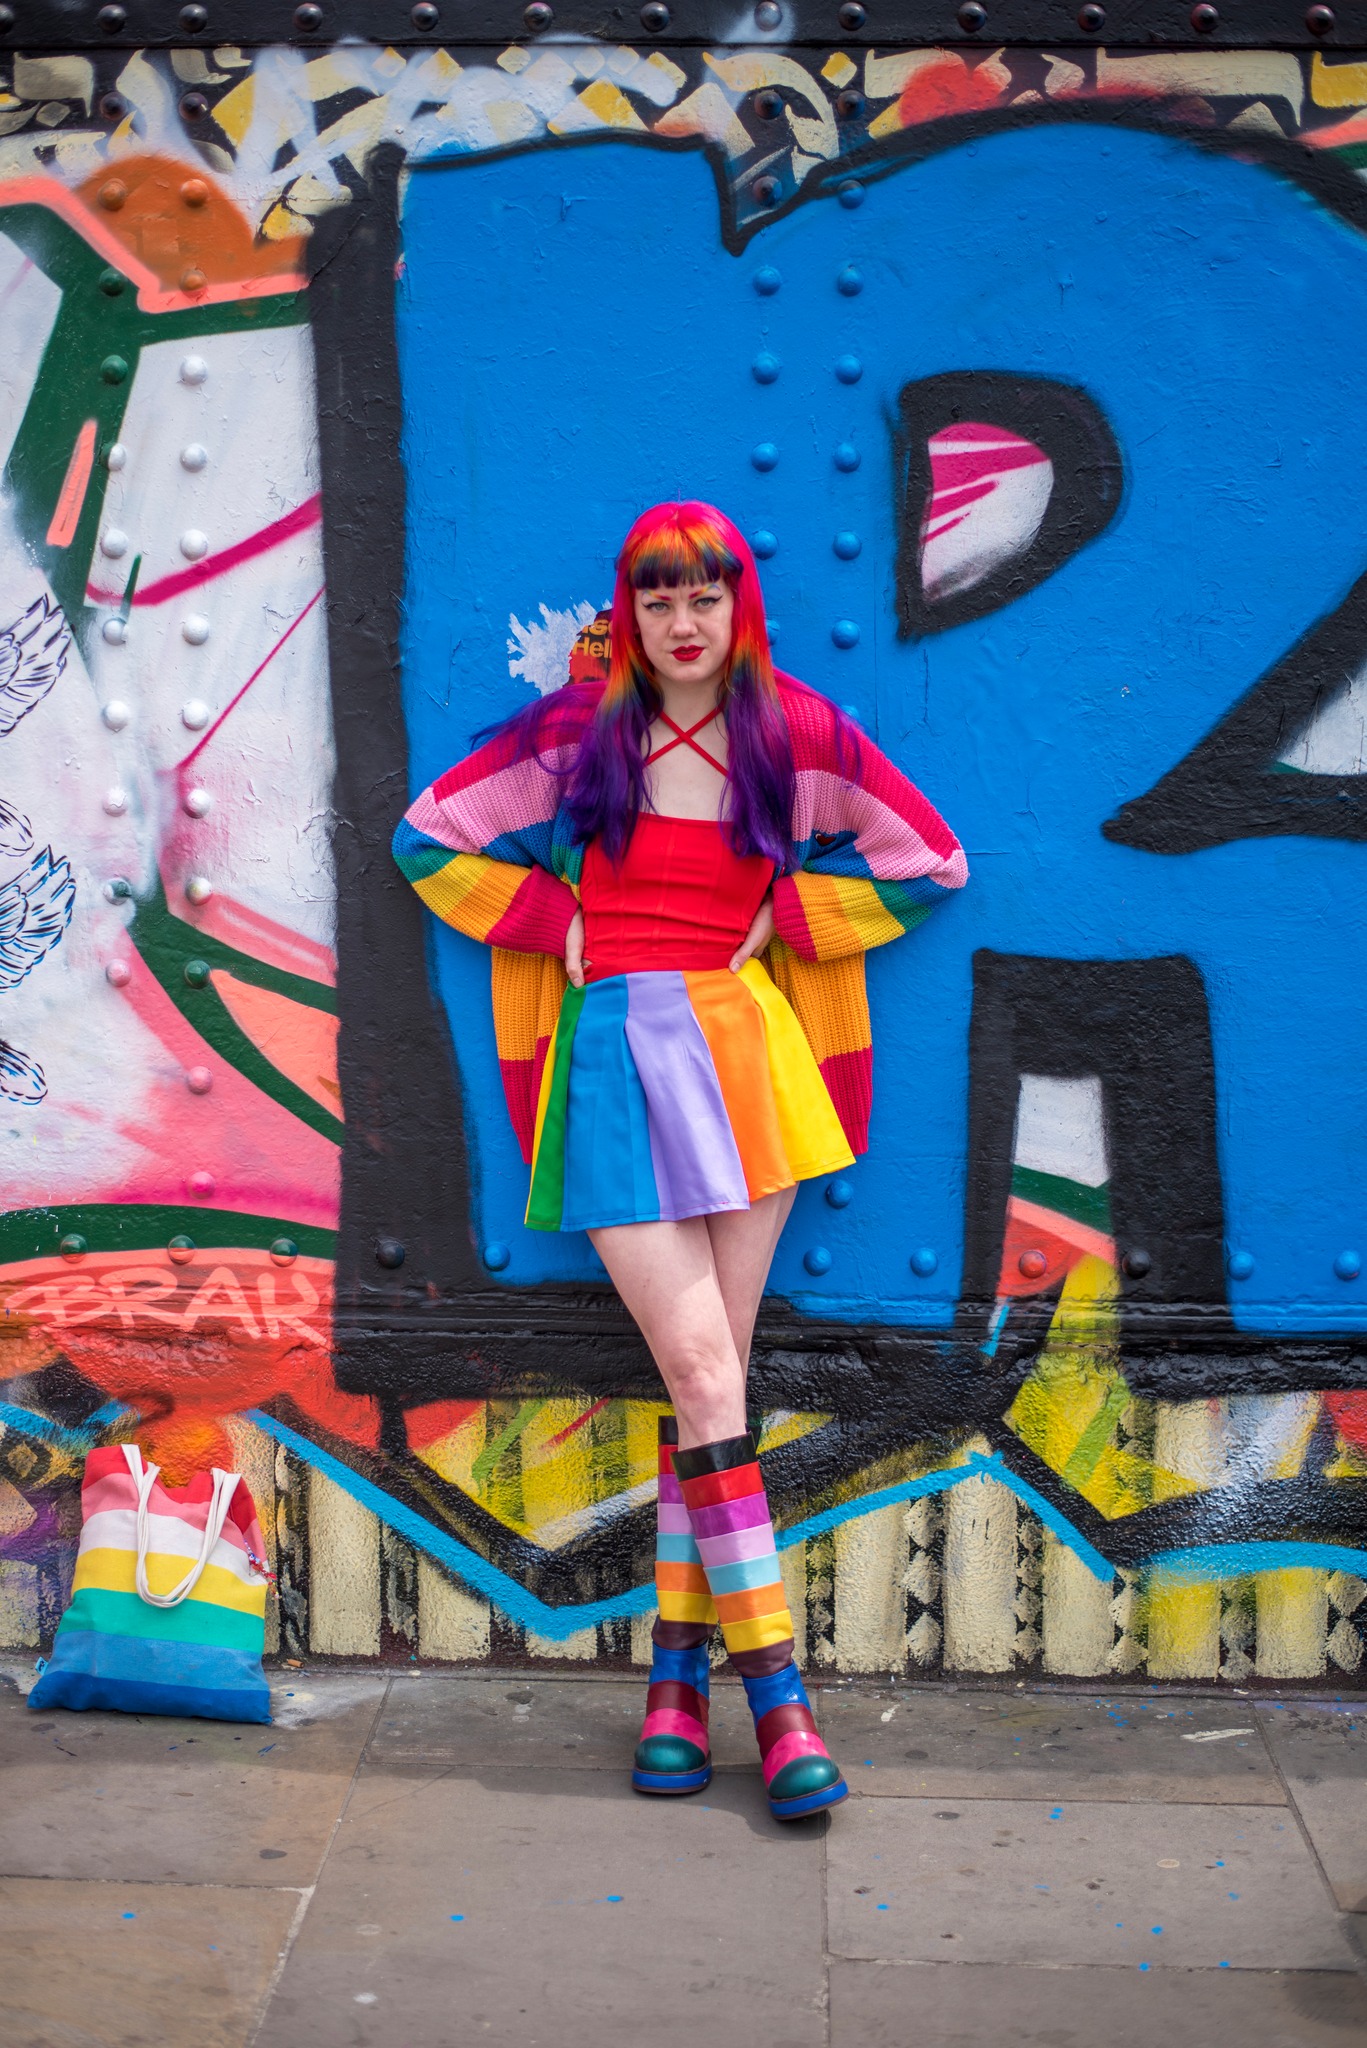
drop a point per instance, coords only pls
(694, 1290)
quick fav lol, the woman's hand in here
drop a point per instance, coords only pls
(758, 936)
(574, 950)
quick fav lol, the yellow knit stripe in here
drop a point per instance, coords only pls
(472, 892)
(809, 1127)
(526, 988)
(866, 911)
(115, 1571)
(830, 929)
(828, 999)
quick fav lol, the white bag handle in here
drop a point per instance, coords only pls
(145, 1478)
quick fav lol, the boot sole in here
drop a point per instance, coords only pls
(812, 1802)
(673, 1783)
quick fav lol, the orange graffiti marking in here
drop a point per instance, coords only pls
(67, 514)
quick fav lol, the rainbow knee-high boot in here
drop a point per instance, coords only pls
(729, 1517)
(672, 1755)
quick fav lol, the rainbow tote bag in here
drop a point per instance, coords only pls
(168, 1604)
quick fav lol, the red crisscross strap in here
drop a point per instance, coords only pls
(686, 739)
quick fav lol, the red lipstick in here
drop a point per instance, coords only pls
(687, 653)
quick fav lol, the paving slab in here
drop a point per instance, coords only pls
(569, 1724)
(1015, 1881)
(589, 1918)
(1322, 1750)
(143, 1797)
(876, 2005)
(136, 1965)
(894, 1742)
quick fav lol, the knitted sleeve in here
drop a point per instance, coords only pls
(875, 857)
(477, 845)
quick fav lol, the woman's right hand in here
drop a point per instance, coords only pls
(574, 950)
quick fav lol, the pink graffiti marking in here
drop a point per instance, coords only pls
(208, 571)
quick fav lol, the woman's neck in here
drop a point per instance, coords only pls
(683, 702)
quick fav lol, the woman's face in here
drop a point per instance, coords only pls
(686, 633)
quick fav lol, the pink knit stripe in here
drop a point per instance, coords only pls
(799, 1743)
(508, 801)
(669, 1721)
(671, 1520)
(737, 1544)
(899, 835)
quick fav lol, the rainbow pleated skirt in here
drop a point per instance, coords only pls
(676, 1093)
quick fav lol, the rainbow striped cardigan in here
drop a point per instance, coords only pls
(490, 848)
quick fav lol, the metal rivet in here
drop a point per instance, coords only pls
(849, 369)
(1137, 1263)
(308, 17)
(768, 16)
(117, 890)
(1091, 17)
(193, 107)
(194, 192)
(198, 889)
(284, 1251)
(765, 369)
(496, 1257)
(198, 803)
(849, 105)
(194, 19)
(195, 630)
(118, 974)
(850, 194)
(768, 104)
(111, 19)
(425, 15)
(6, 16)
(972, 15)
(538, 16)
(193, 457)
(389, 1253)
(193, 370)
(852, 711)
(1240, 1265)
(771, 628)
(1348, 1265)
(853, 14)
(112, 283)
(847, 456)
(73, 1245)
(1319, 20)
(116, 801)
(114, 631)
(202, 1185)
(116, 714)
(767, 190)
(767, 280)
(764, 544)
(196, 973)
(192, 280)
(840, 1194)
(199, 1080)
(114, 542)
(765, 456)
(194, 545)
(1205, 18)
(849, 283)
(116, 457)
(1034, 1265)
(113, 106)
(654, 16)
(845, 633)
(113, 194)
(924, 1261)
(195, 714)
(817, 1260)
(181, 1250)
(114, 370)
(847, 546)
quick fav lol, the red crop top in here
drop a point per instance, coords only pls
(681, 898)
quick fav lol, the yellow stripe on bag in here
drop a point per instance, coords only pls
(115, 1571)
(811, 1130)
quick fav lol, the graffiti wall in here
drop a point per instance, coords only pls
(332, 378)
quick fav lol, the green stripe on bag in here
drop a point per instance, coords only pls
(194, 1621)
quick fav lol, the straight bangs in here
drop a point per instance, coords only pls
(680, 554)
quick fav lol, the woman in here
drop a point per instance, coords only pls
(657, 834)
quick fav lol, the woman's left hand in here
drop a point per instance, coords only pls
(757, 938)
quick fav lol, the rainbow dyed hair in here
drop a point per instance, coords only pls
(669, 546)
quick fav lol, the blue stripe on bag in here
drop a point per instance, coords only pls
(137, 1674)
